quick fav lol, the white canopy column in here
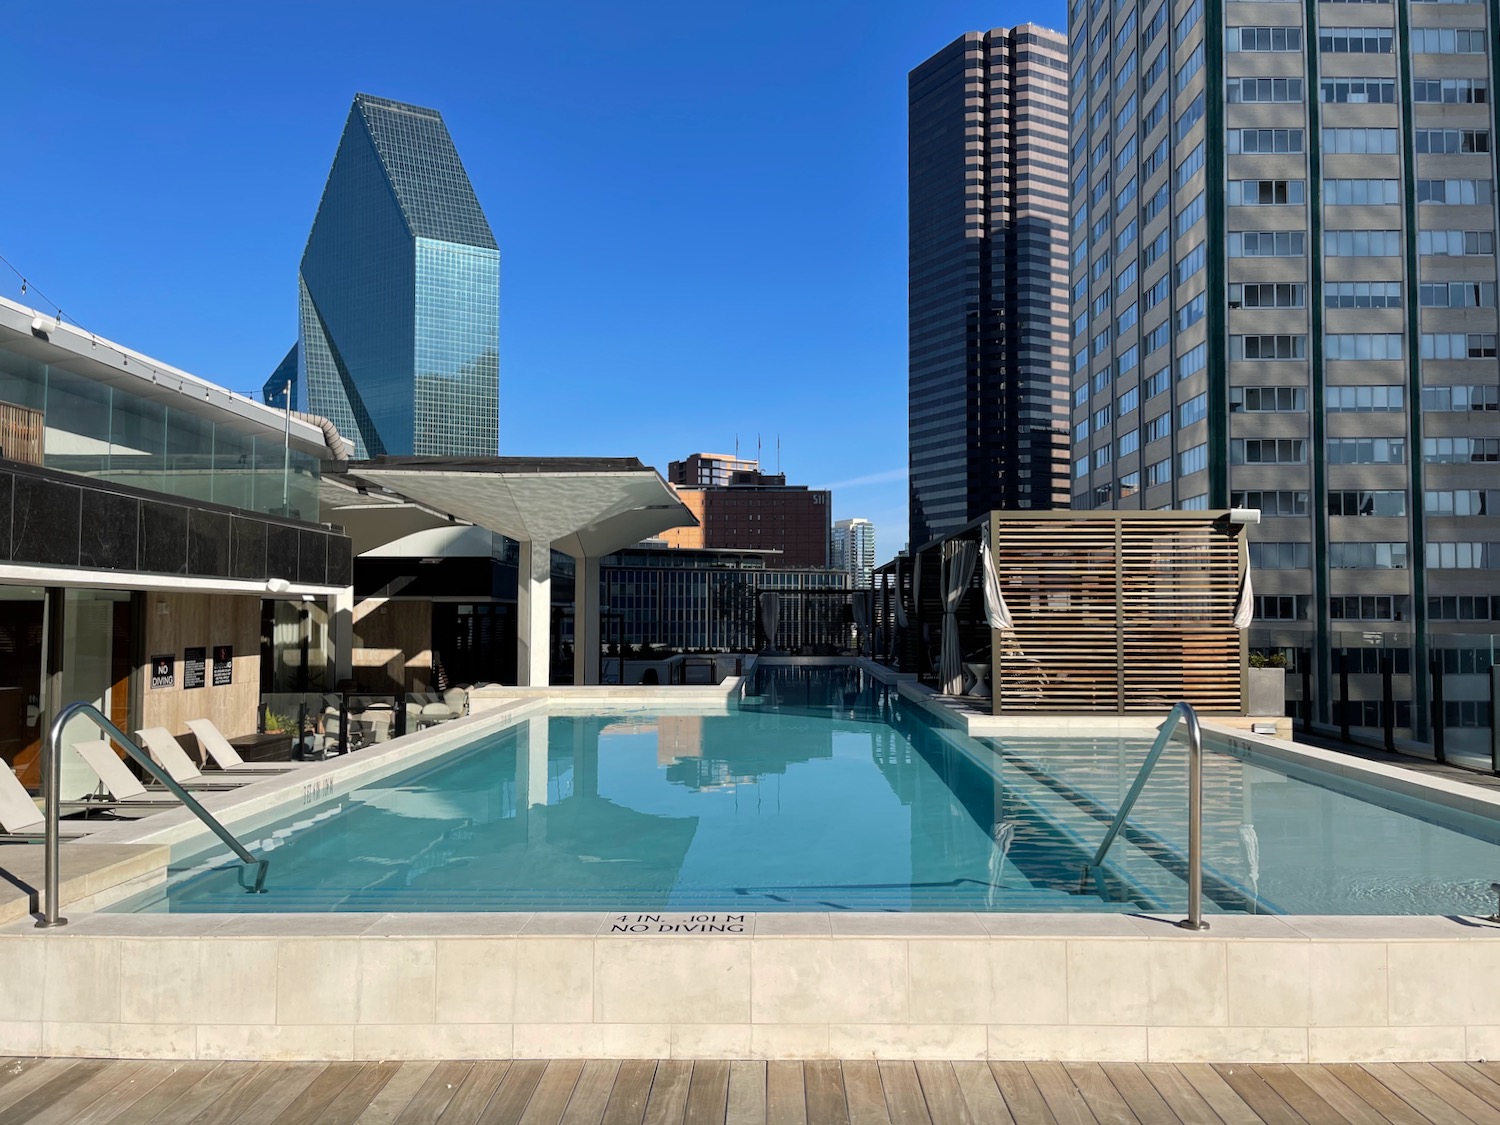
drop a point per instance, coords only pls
(534, 614)
(586, 621)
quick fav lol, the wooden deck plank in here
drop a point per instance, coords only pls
(1104, 1100)
(281, 1088)
(397, 1091)
(359, 1095)
(627, 1098)
(591, 1095)
(1306, 1102)
(708, 1093)
(980, 1094)
(33, 1078)
(1473, 1080)
(60, 1104)
(1178, 1093)
(1414, 1094)
(786, 1094)
(433, 1096)
(1142, 1098)
(13, 1067)
(156, 1102)
(222, 1087)
(747, 1094)
(1221, 1096)
(1349, 1105)
(1470, 1104)
(1370, 1091)
(823, 1081)
(509, 1101)
(307, 1106)
(669, 1092)
(1019, 1089)
(1253, 1091)
(550, 1099)
(474, 1093)
(942, 1093)
(864, 1094)
(903, 1094)
(1061, 1095)
(114, 1101)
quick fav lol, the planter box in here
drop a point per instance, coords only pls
(1267, 692)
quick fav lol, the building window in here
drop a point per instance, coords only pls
(1188, 21)
(1461, 502)
(1157, 383)
(1463, 556)
(1186, 71)
(1364, 345)
(1464, 607)
(1460, 450)
(1274, 90)
(1280, 556)
(1252, 141)
(1193, 410)
(1360, 191)
(1271, 503)
(1155, 159)
(1268, 295)
(1389, 502)
(1282, 608)
(1359, 141)
(1155, 295)
(1158, 427)
(1457, 294)
(1154, 115)
(1452, 140)
(1267, 243)
(1366, 451)
(1268, 347)
(1377, 608)
(1192, 312)
(1451, 91)
(1454, 191)
(1355, 40)
(1447, 41)
(1367, 556)
(1364, 400)
(1157, 337)
(1129, 442)
(1159, 473)
(1267, 451)
(1268, 400)
(1460, 398)
(1358, 91)
(1190, 214)
(1156, 204)
(1155, 249)
(1192, 361)
(1457, 345)
(1265, 193)
(1263, 39)
(1362, 295)
(1362, 243)
(1129, 400)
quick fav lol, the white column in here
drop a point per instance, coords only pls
(341, 625)
(534, 614)
(531, 779)
(586, 622)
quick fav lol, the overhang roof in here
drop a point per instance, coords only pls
(582, 506)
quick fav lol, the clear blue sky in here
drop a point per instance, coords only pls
(701, 207)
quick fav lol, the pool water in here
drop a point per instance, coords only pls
(824, 791)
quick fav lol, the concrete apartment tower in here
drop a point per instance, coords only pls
(988, 278)
(399, 289)
(853, 551)
(1284, 282)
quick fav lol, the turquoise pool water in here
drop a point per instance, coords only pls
(824, 791)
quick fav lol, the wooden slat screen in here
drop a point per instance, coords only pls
(21, 430)
(1117, 612)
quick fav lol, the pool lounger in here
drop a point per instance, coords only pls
(22, 821)
(159, 742)
(123, 786)
(227, 757)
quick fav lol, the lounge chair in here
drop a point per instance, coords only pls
(20, 818)
(124, 788)
(227, 757)
(160, 744)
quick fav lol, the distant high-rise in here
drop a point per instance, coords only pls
(854, 551)
(399, 326)
(988, 278)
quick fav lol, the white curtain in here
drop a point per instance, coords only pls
(1244, 612)
(770, 614)
(958, 570)
(995, 608)
(862, 602)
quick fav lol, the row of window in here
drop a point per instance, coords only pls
(1263, 193)
(1356, 40)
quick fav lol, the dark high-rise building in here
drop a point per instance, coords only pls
(989, 278)
(399, 294)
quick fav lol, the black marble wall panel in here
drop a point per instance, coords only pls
(44, 524)
(109, 538)
(340, 561)
(208, 542)
(7, 485)
(312, 556)
(281, 551)
(164, 538)
(248, 557)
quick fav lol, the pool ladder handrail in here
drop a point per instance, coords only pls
(1184, 710)
(52, 773)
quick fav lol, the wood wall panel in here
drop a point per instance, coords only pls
(192, 620)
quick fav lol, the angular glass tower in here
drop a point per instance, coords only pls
(399, 294)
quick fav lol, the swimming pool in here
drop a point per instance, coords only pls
(823, 790)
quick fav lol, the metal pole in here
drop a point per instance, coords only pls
(51, 776)
(1194, 920)
(286, 450)
(1439, 716)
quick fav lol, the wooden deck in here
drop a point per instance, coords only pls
(94, 1092)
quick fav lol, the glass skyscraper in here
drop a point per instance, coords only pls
(988, 314)
(399, 294)
(1284, 297)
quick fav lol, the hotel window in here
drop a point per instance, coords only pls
(1103, 456)
(1081, 467)
(1190, 164)
(1126, 320)
(1386, 502)
(1127, 194)
(1080, 432)
(1268, 451)
(1362, 295)
(1454, 191)
(1364, 345)
(1080, 394)
(1190, 117)
(1130, 483)
(1193, 410)
(1460, 450)
(1457, 294)
(1154, 115)
(1157, 68)
(1252, 141)
(1280, 556)
(1292, 607)
(1280, 39)
(1157, 337)
(1129, 400)
(1126, 236)
(1127, 28)
(1159, 473)
(1155, 295)
(1158, 428)
(1265, 193)
(1268, 295)
(1451, 91)
(1452, 140)
(1268, 400)
(1126, 116)
(1100, 266)
(1157, 383)
(1366, 451)
(1362, 243)
(1359, 141)
(1271, 503)
(1100, 155)
(1156, 204)
(1101, 341)
(1192, 361)
(1129, 442)
(1100, 190)
(1126, 154)
(1127, 361)
(1460, 502)
(1463, 556)
(1376, 608)
(1364, 400)
(1447, 41)
(1186, 71)
(1460, 398)
(1155, 25)
(1125, 279)
(1155, 159)
(1187, 22)
(1155, 249)
(1355, 40)
(1464, 607)
(1367, 556)
(1358, 91)
(1191, 262)
(1455, 243)
(1102, 417)
(1273, 90)
(1267, 243)
(1268, 347)
(1189, 214)
(1192, 312)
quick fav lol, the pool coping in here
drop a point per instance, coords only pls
(1128, 986)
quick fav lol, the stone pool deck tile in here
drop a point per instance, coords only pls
(906, 925)
(1240, 927)
(480, 925)
(1401, 927)
(275, 1043)
(1385, 1044)
(564, 924)
(296, 925)
(137, 925)
(670, 924)
(85, 870)
(592, 1041)
(851, 980)
(236, 981)
(1213, 1044)
(930, 1042)
(665, 981)
(397, 981)
(1071, 1043)
(712, 1041)
(554, 980)
(792, 925)
(475, 980)
(376, 1042)
(1061, 925)
(1268, 983)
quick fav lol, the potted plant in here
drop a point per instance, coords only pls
(1267, 684)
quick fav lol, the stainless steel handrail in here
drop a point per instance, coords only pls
(52, 773)
(1194, 920)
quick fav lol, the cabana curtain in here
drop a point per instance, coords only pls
(959, 557)
(995, 609)
(1244, 612)
(770, 614)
